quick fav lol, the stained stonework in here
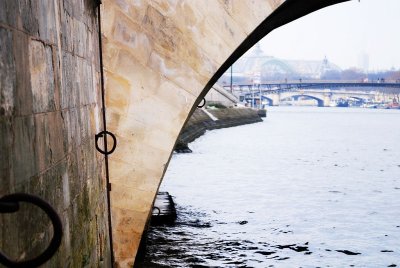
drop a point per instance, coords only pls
(158, 57)
(50, 107)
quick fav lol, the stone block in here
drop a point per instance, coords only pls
(4, 9)
(172, 40)
(28, 16)
(126, 174)
(155, 113)
(119, 92)
(67, 28)
(24, 95)
(23, 149)
(48, 139)
(56, 58)
(128, 198)
(238, 9)
(68, 7)
(131, 36)
(47, 128)
(42, 77)
(137, 13)
(62, 258)
(95, 118)
(96, 94)
(129, 221)
(73, 175)
(41, 143)
(79, 38)
(6, 185)
(84, 81)
(82, 167)
(125, 126)
(53, 128)
(177, 72)
(84, 123)
(124, 244)
(68, 90)
(47, 20)
(141, 155)
(7, 74)
(71, 126)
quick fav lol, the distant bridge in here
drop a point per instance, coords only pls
(324, 92)
(281, 86)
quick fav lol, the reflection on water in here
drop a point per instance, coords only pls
(308, 187)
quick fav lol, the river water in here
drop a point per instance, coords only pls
(308, 187)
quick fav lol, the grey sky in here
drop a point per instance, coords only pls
(342, 33)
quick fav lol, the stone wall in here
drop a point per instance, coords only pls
(158, 57)
(200, 122)
(50, 110)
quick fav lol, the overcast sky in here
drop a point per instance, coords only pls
(342, 33)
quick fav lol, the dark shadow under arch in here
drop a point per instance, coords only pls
(357, 98)
(319, 101)
(270, 101)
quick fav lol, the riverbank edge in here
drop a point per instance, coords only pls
(197, 125)
(201, 121)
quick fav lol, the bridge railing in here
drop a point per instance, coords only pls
(311, 84)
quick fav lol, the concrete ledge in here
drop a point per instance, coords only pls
(200, 122)
(164, 211)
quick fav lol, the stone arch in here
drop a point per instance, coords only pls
(320, 102)
(270, 101)
(160, 60)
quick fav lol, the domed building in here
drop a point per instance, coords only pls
(257, 65)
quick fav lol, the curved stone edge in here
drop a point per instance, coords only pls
(153, 87)
(200, 122)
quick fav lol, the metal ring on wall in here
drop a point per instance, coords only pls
(203, 103)
(159, 211)
(10, 204)
(99, 135)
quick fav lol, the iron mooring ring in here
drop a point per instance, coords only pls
(10, 204)
(100, 134)
(203, 103)
(159, 211)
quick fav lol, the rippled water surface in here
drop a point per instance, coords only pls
(308, 187)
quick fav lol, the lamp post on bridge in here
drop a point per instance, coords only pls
(231, 80)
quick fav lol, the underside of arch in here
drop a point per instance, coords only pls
(270, 101)
(357, 98)
(319, 101)
(160, 59)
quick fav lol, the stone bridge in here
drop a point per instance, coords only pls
(157, 60)
(323, 97)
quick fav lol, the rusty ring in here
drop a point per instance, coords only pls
(13, 202)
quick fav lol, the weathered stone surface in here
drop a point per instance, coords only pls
(28, 16)
(5, 161)
(23, 164)
(47, 20)
(158, 56)
(67, 28)
(42, 77)
(49, 113)
(24, 95)
(7, 73)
